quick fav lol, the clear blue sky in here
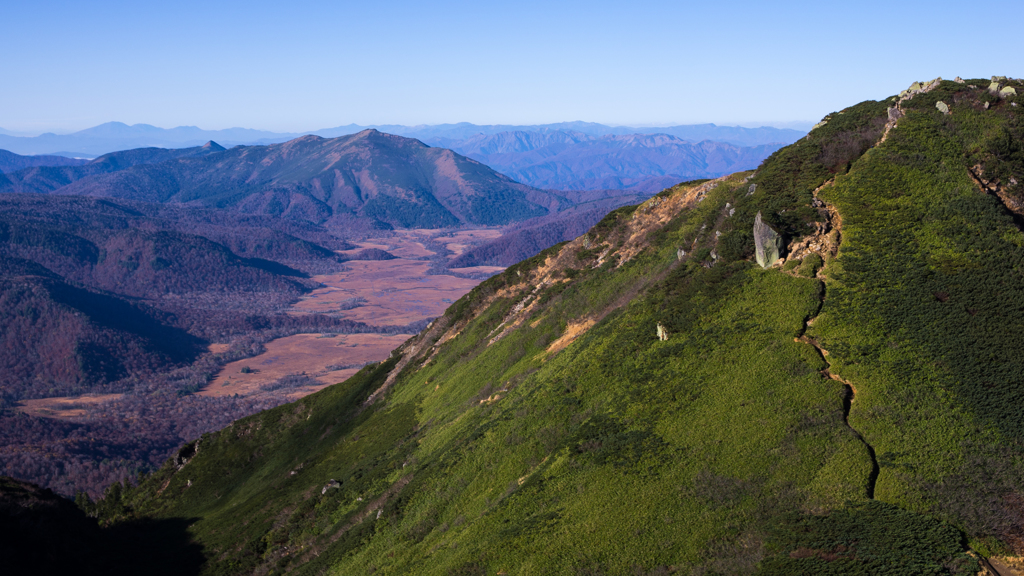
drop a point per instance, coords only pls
(296, 66)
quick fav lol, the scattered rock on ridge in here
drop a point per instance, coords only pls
(766, 243)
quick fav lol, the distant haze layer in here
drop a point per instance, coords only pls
(115, 136)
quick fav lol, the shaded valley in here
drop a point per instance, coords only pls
(132, 326)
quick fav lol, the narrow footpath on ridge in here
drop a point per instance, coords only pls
(849, 392)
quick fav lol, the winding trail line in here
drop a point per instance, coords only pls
(849, 392)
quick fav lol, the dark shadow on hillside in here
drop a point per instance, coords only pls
(154, 547)
(274, 267)
(43, 533)
(117, 314)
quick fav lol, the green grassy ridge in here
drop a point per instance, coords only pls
(621, 454)
(924, 313)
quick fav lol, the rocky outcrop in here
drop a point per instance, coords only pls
(186, 454)
(994, 186)
(919, 88)
(766, 243)
(824, 241)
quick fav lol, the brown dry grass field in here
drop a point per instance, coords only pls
(463, 240)
(478, 269)
(397, 292)
(303, 353)
(65, 407)
(389, 293)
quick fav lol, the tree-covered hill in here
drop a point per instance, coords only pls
(369, 177)
(11, 162)
(647, 399)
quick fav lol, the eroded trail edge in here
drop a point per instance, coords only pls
(849, 392)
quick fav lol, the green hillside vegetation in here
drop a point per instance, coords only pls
(646, 399)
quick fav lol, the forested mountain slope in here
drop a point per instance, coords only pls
(94, 290)
(47, 176)
(385, 179)
(646, 399)
(11, 162)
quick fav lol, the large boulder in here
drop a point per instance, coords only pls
(766, 243)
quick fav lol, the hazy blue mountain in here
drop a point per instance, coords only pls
(114, 136)
(696, 132)
(570, 160)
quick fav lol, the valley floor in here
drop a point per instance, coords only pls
(385, 295)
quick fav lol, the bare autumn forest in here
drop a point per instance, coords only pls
(116, 314)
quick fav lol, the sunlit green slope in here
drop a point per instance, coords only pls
(648, 400)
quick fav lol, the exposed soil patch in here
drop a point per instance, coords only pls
(1007, 566)
(572, 332)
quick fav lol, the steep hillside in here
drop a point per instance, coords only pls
(575, 161)
(529, 237)
(387, 179)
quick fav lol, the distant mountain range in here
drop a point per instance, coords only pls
(567, 156)
(114, 136)
(569, 160)
(366, 179)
